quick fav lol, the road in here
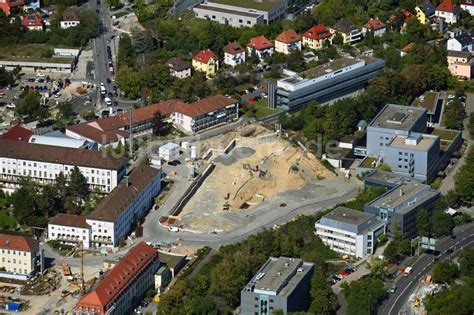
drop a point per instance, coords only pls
(405, 286)
(448, 182)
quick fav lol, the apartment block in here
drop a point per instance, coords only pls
(70, 229)
(121, 289)
(280, 284)
(43, 163)
(350, 232)
(20, 256)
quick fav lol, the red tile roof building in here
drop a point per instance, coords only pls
(204, 56)
(448, 11)
(287, 41)
(260, 43)
(32, 22)
(317, 36)
(17, 133)
(447, 6)
(233, 48)
(109, 131)
(374, 25)
(19, 256)
(16, 242)
(7, 5)
(119, 290)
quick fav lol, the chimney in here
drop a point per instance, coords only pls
(125, 179)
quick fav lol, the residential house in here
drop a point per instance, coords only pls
(114, 217)
(448, 11)
(425, 11)
(69, 19)
(234, 54)
(468, 5)
(349, 32)
(461, 41)
(405, 50)
(70, 229)
(189, 118)
(261, 46)
(460, 64)
(280, 284)
(350, 232)
(317, 37)
(375, 26)
(287, 42)
(124, 286)
(8, 5)
(179, 68)
(206, 61)
(32, 22)
(21, 257)
(43, 163)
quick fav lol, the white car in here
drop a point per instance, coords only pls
(40, 74)
(11, 106)
(108, 101)
(173, 229)
(102, 84)
(57, 95)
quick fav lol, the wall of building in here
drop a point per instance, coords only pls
(46, 173)
(235, 20)
(329, 89)
(233, 60)
(285, 48)
(18, 262)
(69, 235)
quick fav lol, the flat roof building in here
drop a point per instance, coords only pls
(432, 102)
(246, 13)
(281, 283)
(326, 83)
(350, 232)
(399, 205)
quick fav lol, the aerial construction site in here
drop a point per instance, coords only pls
(252, 166)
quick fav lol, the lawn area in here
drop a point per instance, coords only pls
(259, 109)
(251, 4)
(367, 163)
(445, 134)
(6, 221)
(30, 52)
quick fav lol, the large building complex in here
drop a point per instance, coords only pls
(115, 216)
(43, 163)
(190, 118)
(397, 137)
(350, 232)
(280, 284)
(121, 288)
(242, 13)
(400, 205)
(327, 82)
(21, 257)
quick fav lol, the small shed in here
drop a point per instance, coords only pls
(169, 152)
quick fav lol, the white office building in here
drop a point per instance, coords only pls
(43, 163)
(350, 232)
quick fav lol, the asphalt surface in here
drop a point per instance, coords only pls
(406, 285)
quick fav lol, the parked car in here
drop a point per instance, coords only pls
(392, 288)
(339, 277)
(11, 106)
(251, 99)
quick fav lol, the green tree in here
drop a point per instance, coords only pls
(441, 223)
(423, 223)
(324, 301)
(363, 295)
(464, 180)
(466, 260)
(77, 184)
(377, 267)
(445, 272)
(296, 61)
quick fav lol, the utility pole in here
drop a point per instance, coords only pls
(82, 266)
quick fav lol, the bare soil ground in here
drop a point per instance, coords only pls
(250, 174)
